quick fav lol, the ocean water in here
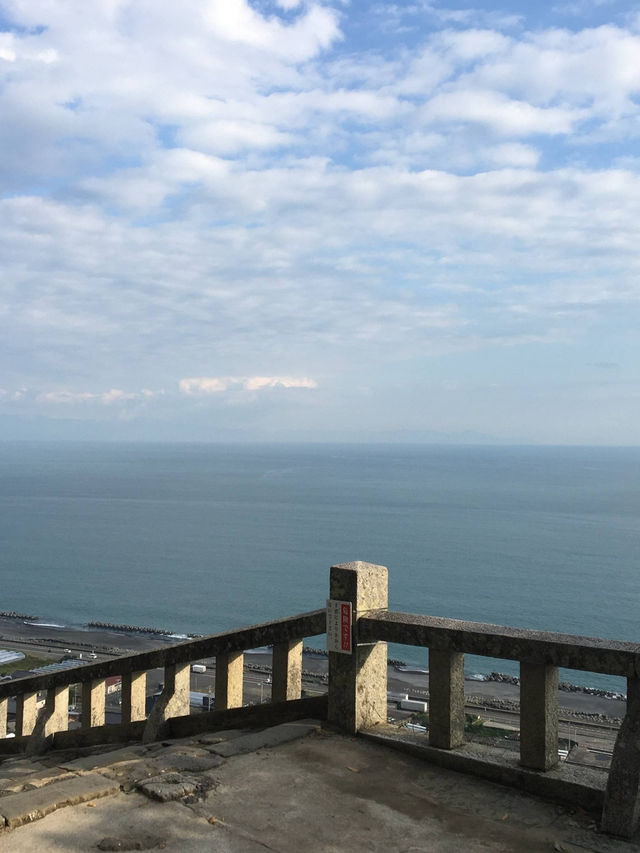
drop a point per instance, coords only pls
(211, 537)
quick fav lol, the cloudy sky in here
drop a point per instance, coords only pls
(293, 219)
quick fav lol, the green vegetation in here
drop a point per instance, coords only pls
(28, 662)
(474, 726)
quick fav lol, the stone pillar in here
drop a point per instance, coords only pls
(287, 671)
(4, 705)
(621, 812)
(56, 710)
(177, 680)
(172, 702)
(538, 716)
(26, 713)
(93, 703)
(358, 681)
(134, 696)
(446, 698)
(229, 674)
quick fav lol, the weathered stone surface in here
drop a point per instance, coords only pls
(446, 699)
(621, 812)
(499, 641)
(538, 716)
(133, 841)
(105, 759)
(28, 806)
(287, 671)
(184, 763)
(30, 781)
(229, 680)
(171, 786)
(218, 737)
(13, 768)
(358, 682)
(268, 738)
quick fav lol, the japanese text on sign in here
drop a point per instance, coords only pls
(339, 626)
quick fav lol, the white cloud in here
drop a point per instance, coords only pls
(217, 384)
(237, 21)
(256, 383)
(507, 116)
(240, 184)
(110, 397)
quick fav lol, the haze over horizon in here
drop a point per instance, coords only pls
(294, 219)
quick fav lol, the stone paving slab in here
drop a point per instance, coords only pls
(266, 739)
(88, 763)
(15, 767)
(219, 737)
(185, 763)
(28, 806)
(29, 781)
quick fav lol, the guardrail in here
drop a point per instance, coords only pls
(357, 697)
(285, 635)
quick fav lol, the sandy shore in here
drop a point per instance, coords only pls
(50, 641)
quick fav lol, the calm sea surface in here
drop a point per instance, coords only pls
(210, 537)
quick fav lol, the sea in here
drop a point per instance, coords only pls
(210, 537)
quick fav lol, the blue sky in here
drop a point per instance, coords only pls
(287, 219)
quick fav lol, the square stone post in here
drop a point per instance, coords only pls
(229, 675)
(358, 681)
(538, 716)
(56, 710)
(621, 812)
(177, 679)
(26, 713)
(172, 702)
(4, 706)
(93, 703)
(446, 698)
(134, 696)
(287, 671)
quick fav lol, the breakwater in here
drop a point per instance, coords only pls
(129, 629)
(11, 614)
(565, 686)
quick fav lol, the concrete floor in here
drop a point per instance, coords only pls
(323, 793)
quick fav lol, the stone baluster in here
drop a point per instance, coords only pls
(26, 713)
(56, 710)
(446, 698)
(134, 696)
(621, 812)
(229, 675)
(538, 716)
(4, 706)
(287, 671)
(172, 702)
(358, 681)
(93, 703)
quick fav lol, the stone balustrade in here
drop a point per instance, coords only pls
(32, 728)
(357, 697)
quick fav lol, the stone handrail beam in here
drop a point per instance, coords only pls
(285, 635)
(591, 654)
(267, 633)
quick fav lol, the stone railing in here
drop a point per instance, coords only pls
(357, 697)
(357, 685)
(33, 728)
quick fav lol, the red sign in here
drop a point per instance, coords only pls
(345, 633)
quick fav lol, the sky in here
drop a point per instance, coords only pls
(278, 220)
